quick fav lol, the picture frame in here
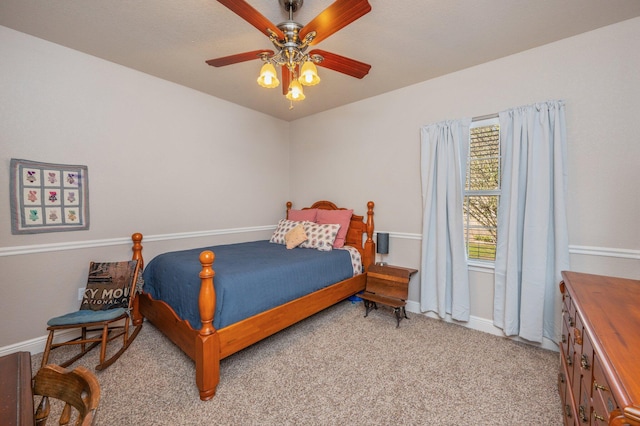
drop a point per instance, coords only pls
(48, 197)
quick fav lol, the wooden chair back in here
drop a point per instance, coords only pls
(78, 388)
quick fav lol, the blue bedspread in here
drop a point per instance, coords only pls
(249, 278)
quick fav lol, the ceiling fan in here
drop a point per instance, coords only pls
(292, 40)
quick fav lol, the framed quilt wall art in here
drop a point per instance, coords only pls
(48, 197)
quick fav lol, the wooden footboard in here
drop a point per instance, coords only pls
(208, 346)
(245, 333)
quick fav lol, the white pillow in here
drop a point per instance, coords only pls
(320, 236)
(283, 227)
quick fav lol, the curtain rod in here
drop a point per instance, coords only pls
(484, 117)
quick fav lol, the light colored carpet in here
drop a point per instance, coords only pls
(338, 368)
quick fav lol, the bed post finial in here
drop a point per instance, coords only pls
(207, 299)
(136, 317)
(137, 248)
(369, 245)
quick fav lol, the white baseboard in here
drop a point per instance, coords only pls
(36, 346)
(480, 324)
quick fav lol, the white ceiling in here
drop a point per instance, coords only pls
(405, 41)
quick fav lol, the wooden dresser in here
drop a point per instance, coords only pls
(16, 398)
(599, 378)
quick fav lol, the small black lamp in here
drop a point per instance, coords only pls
(382, 246)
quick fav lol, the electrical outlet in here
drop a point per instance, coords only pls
(80, 294)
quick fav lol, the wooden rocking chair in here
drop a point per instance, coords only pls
(77, 388)
(104, 314)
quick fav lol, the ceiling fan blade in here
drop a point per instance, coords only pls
(239, 57)
(286, 79)
(252, 16)
(342, 64)
(337, 16)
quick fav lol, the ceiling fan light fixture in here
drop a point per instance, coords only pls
(268, 77)
(291, 41)
(295, 92)
(309, 74)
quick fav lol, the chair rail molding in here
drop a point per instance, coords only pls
(77, 245)
(605, 251)
(573, 249)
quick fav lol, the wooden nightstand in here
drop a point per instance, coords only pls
(388, 285)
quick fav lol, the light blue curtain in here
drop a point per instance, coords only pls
(533, 243)
(444, 274)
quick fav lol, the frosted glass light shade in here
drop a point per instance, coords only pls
(268, 77)
(295, 91)
(309, 74)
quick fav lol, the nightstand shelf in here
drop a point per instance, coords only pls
(388, 285)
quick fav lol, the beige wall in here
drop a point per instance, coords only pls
(163, 159)
(596, 73)
(159, 153)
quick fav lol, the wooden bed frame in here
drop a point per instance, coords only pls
(207, 346)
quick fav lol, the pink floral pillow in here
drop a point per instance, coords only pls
(341, 217)
(302, 215)
(319, 236)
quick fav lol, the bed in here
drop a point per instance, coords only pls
(207, 344)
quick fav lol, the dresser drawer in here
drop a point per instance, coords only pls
(577, 335)
(562, 377)
(603, 401)
(586, 359)
(577, 330)
(566, 297)
(567, 331)
(570, 357)
(564, 390)
(568, 309)
(578, 389)
(599, 416)
(584, 405)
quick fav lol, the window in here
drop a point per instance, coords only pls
(482, 190)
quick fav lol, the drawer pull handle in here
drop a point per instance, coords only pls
(599, 387)
(584, 362)
(569, 360)
(567, 410)
(571, 322)
(597, 417)
(564, 339)
(582, 415)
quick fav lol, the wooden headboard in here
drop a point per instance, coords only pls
(360, 233)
